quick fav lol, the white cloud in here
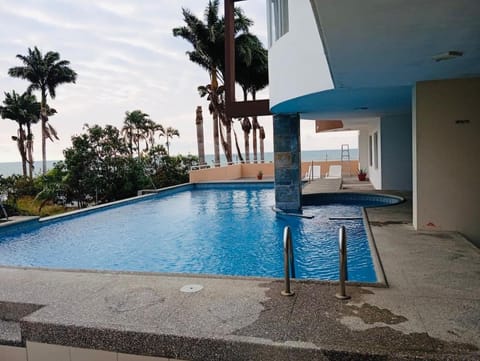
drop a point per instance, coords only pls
(126, 58)
(27, 13)
(117, 8)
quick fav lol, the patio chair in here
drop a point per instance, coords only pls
(334, 171)
(314, 172)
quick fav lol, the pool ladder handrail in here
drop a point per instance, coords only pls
(288, 261)
(310, 172)
(4, 211)
(342, 254)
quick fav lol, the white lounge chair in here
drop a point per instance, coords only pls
(313, 172)
(334, 171)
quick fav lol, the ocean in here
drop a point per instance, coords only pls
(307, 156)
(9, 168)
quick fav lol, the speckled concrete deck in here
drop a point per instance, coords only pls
(325, 185)
(431, 310)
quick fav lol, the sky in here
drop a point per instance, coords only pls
(126, 58)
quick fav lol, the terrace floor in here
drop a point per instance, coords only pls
(430, 311)
(350, 183)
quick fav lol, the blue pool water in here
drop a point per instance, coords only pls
(227, 231)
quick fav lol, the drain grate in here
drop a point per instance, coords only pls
(191, 288)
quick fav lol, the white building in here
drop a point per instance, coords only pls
(406, 74)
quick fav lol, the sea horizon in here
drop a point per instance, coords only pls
(10, 168)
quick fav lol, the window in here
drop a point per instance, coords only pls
(375, 149)
(278, 19)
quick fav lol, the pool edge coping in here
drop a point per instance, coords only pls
(377, 262)
(192, 275)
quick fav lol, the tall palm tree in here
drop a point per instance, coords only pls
(45, 73)
(169, 133)
(251, 72)
(216, 107)
(127, 132)
(151, 129)
(24, 109)
(262, 147)
(134, 130)
(208, 41)
(246, 127)
(200, 141)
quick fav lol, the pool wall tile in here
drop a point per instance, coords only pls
(127, 357)
(19, 225)
(10, 353)
(230, 185)
(362, 199)
(47, 352)
(83, 354)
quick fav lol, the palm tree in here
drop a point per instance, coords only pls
(262, 147)
(200, 140)
(50, 133)
(151, 129)
(239, 152)
(134, 130)
(169, 133)
(127, 133)
(45, 73)
(216, 107)
(24, 109)
(246, 127)
(251, 72)
(208, 41)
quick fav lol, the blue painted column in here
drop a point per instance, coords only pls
(286, 148)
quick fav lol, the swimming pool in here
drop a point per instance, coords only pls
(205, 229)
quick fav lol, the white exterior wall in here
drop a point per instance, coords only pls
(396, 152)
(363, 148)
(414, 157)
(296, 62)
(446, 130)
(375, 174)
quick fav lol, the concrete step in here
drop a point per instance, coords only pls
(10, 333)
(10, 315)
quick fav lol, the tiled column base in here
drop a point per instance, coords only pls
(286, 146)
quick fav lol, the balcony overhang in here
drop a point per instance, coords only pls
(326, 125)
(377, 52)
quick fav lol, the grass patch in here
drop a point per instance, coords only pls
(28, 206)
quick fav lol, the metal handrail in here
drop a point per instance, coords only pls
(288, 261)
(4, 211)
(342, 244)
(310, 172)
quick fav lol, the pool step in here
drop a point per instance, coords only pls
(10, 333)
(10, 315)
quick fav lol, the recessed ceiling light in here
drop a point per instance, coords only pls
(448, 55)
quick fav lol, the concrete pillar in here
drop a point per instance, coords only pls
(286, 147)
(446, 153)
(363, 148)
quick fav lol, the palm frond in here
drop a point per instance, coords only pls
(241, 22)
(50, 132)
(202, 90)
